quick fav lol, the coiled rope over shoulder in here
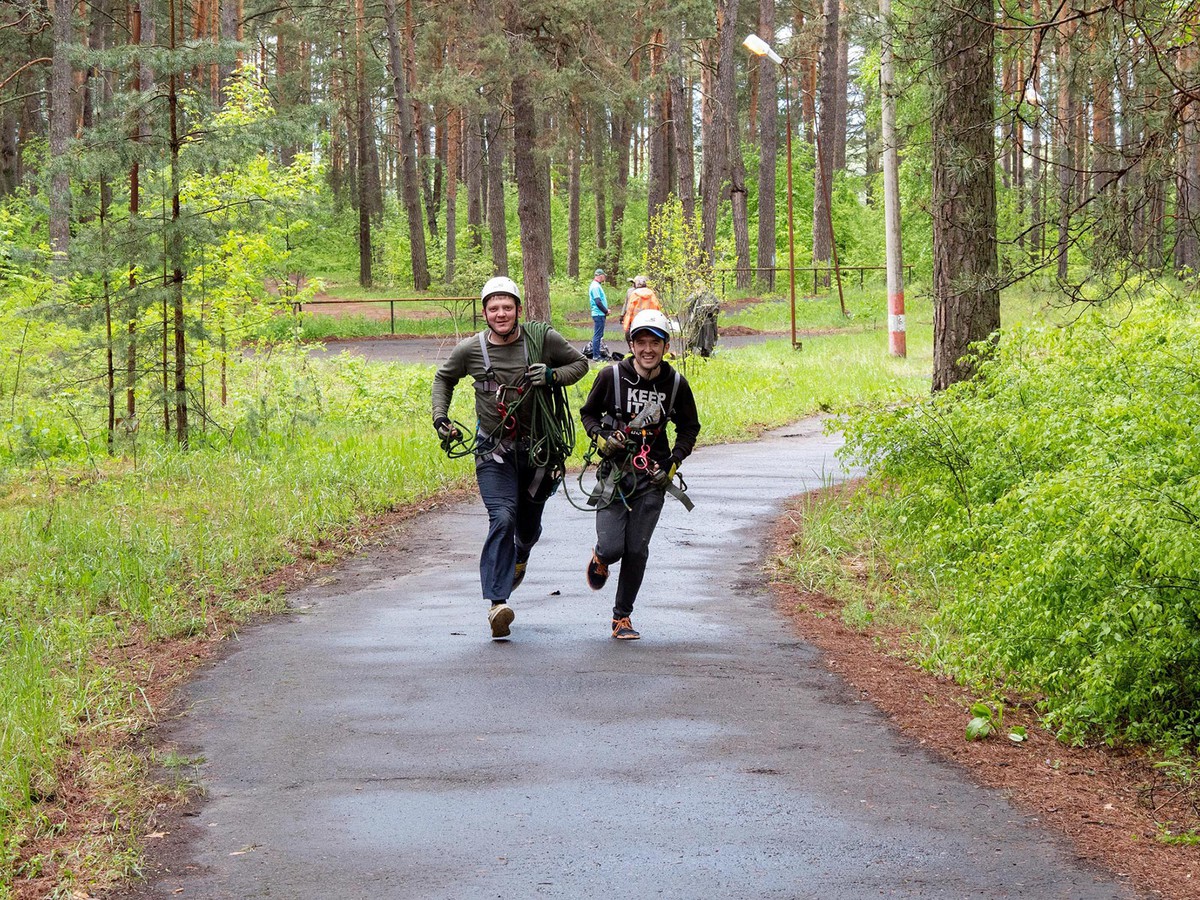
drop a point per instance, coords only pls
(551, 428)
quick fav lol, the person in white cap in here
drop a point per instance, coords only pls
(626, 415)
(508, 361)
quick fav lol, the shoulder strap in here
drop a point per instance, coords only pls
(487, 360)
(616, 389)
(674, 391)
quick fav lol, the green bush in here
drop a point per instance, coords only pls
(1055, 505)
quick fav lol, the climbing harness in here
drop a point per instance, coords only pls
(550, 436)
(612, 473)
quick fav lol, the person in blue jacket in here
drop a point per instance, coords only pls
(599, 311)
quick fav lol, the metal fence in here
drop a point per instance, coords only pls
(821, 275)
(453, 304)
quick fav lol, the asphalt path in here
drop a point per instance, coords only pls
(376, 743)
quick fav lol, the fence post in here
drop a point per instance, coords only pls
(392, 306)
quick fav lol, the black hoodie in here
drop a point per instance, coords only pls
(604, 409)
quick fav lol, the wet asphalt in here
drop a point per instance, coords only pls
(376, 743)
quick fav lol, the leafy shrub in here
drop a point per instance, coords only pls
(1055, 502)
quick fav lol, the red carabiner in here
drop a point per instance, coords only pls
(641, 462)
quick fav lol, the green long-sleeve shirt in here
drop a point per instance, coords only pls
(509, 362)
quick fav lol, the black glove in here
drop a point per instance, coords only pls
(609, 442)
(660, 477)
(446, 431)
(540, 375)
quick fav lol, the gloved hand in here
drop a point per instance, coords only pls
(540, 375)
(446, 431)
(660, 477)
(610, 443)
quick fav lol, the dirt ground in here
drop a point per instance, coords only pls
(1112, 803)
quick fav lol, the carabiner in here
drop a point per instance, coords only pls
(641, 462)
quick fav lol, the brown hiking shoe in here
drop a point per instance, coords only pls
(500, 616)
(623, 630)
(597, 572)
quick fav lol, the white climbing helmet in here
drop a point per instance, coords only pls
(651, 320)
(500, 284)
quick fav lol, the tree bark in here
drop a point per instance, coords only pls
(453, 142)
(966, 296)
(681, 129)
(843, 90)
(408, 153)
(715, 136)
(175, 249)
(826, 138)
(474, 178)
(597, 135)
(622, 134)
(573, 189)
(363, 129)
(768, 140)
(1187, 215)
(62, 118)
(660, 139)
(531, 205)
(1064, 134)
(497, 221)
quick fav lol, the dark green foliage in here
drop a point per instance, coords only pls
(1053, 505)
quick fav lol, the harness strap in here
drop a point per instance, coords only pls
(487, 382)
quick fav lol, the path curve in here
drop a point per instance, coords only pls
(376, 744)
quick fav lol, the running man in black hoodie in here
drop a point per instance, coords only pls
(626, 414)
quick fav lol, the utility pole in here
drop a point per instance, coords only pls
(891, 190)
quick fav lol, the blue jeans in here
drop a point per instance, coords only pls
(515, 495)
(597, 335)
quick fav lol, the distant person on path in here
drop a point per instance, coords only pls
(626, 414)
(599, 304)
(508, 362)
(640, 296)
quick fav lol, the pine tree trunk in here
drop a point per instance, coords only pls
(573, 189)
(660, 138)
(622, 135)
(715, 133)
(1065, 155)
(133, 314)
(62, 118)
(175, 251)
(531, 206)
(966, 297)
(822, 242)
(1036, 169)
(768, 121)
(408, 154)
(681, 129)
(1187, 214)
(474, 178)
(597, 136)
(453, 142)
(843, 90)
(362, 127)
(497, 221)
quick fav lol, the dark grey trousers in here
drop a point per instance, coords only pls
(623, 535)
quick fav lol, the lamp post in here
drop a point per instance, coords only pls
(759, 47)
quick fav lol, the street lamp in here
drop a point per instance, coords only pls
(759, 47)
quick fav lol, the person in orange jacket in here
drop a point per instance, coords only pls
(639, 297)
